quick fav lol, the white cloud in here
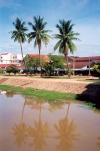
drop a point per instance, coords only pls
(9, 3)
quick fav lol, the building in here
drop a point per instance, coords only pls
(7, 59)
(83, 65)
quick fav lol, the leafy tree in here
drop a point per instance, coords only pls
(19, 33)
(49, 68)
(0, 70)
(58, 61)
(66, 36)
(96, 69)
(12, 70)
(39, 34)
(15, 70)
(9, 70)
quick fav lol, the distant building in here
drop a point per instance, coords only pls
(83, 65)
(7, 59)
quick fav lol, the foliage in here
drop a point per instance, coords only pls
(65, 38)
(39, 33)
(49, 68)
(15, 70)
(96, 69)
(9, 70)
(58, 61)
(12, 70)
(1, 70)
(19, 34)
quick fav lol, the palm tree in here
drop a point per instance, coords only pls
(19, 33)
(66, 36)
(39, 34)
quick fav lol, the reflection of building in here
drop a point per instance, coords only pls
(7, 59)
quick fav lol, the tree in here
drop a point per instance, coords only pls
(9, 70)
(58, 61)
(96, 69)
(1, 70)
(66, 36)
(19, 33)
(12, 70)
(39, 34)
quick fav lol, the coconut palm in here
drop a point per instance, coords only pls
(39, 33)
(66, 36)
(19, 33)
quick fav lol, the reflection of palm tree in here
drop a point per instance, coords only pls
(98, 143)
(55, 106)
(20, 131)
(9, 94)
(66, 133)
(39, 133)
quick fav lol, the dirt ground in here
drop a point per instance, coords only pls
(73, 85)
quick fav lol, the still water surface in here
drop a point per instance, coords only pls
(30, 125)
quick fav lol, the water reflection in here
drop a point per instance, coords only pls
(39, 131)
(9, 94)
(20, 133)
(42, 126)
(20, 130)
(65, 133)
(98, 143)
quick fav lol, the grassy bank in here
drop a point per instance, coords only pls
(42, 94)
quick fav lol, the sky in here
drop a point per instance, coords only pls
(85, 14)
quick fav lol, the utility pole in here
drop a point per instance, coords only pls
(89, 66)
(73, 66)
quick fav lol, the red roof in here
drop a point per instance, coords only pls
(10, 65)
(5, 53)
(78, 65)
(4, 65)
(80, 62)
(87, 58)
(44, 57)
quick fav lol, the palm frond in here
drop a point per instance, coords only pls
(57, 45)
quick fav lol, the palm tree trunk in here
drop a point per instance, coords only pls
(22, 53)
(68, 66)
(40, 58)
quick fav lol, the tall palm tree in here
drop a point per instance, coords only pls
(66, 36)
(19, 33)
(39, 34)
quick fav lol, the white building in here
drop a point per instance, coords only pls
(8, 58)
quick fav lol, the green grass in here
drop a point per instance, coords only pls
(51, 96)
(93, 80)
(42, 94)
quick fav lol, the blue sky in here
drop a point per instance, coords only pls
(85, 14)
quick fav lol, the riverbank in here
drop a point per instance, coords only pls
(60, 85)
(85, 91)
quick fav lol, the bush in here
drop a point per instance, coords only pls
(12, 70)
(1, 70)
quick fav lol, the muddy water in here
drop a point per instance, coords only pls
(30, 125)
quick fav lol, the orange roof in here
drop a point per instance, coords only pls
(44, 57)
